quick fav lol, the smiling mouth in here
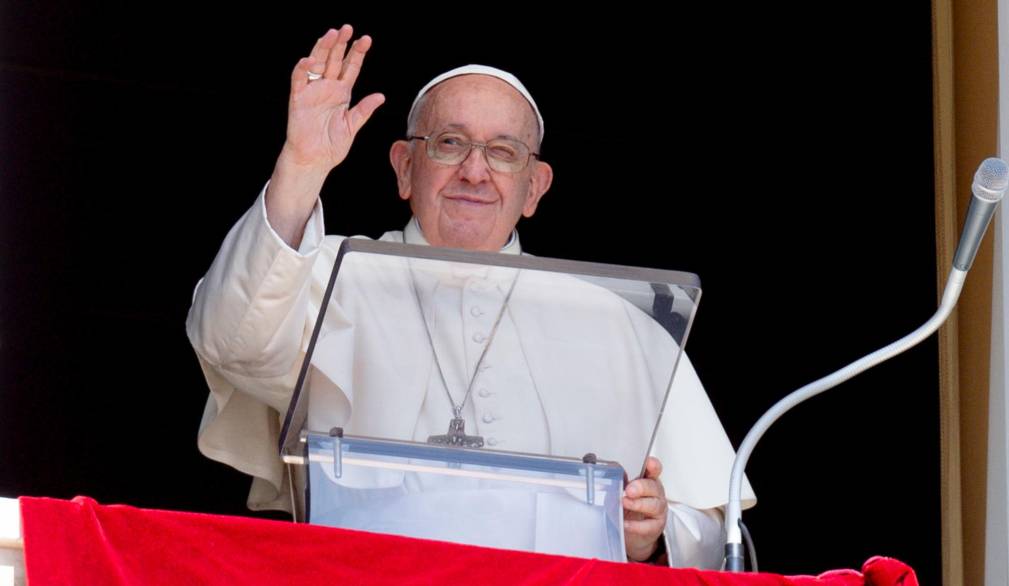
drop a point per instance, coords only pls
(468, 199)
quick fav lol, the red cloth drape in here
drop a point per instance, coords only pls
(82, 542)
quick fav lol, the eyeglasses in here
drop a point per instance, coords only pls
(504, 155)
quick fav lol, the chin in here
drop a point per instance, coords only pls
(470, 235)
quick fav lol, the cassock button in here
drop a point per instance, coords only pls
(487, 418)
(475, 311)
(484, 393)
(479, 338)
(492, 441)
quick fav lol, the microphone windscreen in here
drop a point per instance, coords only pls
(991, 179)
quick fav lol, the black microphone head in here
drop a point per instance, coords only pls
(991, 179)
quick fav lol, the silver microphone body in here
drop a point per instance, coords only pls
(990, 183)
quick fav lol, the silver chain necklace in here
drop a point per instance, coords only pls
(456, 435)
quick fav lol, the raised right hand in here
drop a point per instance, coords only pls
(321, 125)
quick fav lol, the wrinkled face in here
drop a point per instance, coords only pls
(470, 205)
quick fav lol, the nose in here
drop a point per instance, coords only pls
(475, 168)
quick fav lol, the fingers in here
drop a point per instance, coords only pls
(648, 507)
(330, 59)
(653, 467)
(299, 77)
(315, 62)
(644, 487)
(323, 47)
(647, 497)
(334, 61)
(645, 511)
(647, 530)
(360, 113)
(352, 64)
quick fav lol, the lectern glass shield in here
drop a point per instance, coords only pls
(489, 353)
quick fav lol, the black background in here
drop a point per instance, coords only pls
(785, 157)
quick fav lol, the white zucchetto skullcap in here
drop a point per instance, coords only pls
(481, 70)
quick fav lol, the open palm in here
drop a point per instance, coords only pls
(321, 124)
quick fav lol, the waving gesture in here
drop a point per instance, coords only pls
(321, 126)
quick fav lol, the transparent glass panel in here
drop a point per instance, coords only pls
(512, 353)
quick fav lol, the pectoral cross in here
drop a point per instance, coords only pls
(456, 436)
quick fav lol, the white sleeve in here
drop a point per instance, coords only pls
(694, 537)
(247, 325)
(248, 311)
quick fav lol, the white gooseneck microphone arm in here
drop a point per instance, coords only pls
(990, 183)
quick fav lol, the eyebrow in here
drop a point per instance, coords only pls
(463, 127)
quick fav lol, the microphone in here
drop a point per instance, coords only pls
(990, 183)
(989, 186)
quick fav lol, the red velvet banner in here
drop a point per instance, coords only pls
(82, 542)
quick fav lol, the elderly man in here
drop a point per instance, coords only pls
(469, 170)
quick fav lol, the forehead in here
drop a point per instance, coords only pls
(479, 104)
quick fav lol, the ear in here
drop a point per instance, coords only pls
(539, 182)
(401, 156)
